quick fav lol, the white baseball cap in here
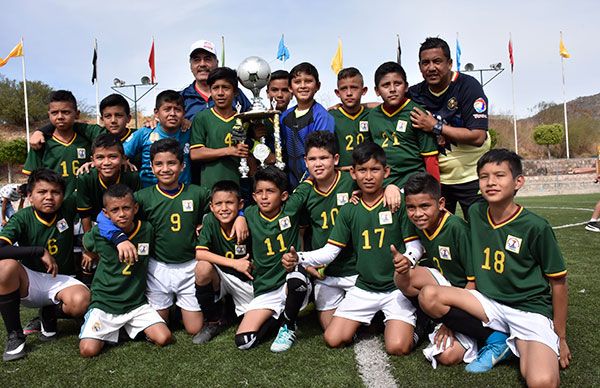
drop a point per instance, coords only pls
(205, 45)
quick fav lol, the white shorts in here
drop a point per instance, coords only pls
(361, 305)
(523, 325)
(43, 288)
(468, 343)
(170, 282)
(330, 291)
(275, 300)
(104, 326)
(439, 278)
(242, 292)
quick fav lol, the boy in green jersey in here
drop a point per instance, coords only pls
(224, 266)
(373, 231)
(408, 149)
(40, 277)
(108, 158)
(118, 289)
(445, 238)
(275, 226)
(351, 125)
(520, 277)
(66, 150)
(211, 139)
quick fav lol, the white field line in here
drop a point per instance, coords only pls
(373, 364)
(570, 225)
(564, 208)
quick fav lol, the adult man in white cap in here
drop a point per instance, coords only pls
(203, 59)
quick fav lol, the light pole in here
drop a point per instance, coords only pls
(495, 67)
(145, 82)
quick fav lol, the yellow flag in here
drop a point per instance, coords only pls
(563, 50)
(337, 63)
(16, 52)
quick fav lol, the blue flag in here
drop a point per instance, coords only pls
(458, 52)
(283, 53)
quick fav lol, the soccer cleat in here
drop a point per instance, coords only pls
(284, 340)
(593, 226)
(34, 326)
(15, 347)
(208, 332)
(494, 351)
(48, 323)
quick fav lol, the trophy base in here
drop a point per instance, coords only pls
(257, 114)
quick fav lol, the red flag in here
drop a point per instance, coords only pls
(510, 55)
(151, 63)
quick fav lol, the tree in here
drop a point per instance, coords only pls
(12, 105)
(12, 152)
(548, 134)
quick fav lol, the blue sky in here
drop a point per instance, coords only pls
(59, 36)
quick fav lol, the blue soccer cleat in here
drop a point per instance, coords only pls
(494, 351)
(284, 340)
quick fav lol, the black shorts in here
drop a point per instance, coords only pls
(465, 194)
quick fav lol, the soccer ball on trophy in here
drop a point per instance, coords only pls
(254, 73)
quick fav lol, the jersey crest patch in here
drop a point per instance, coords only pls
(154, 136)
(479, 105)
(143, 249)
(62, 225)
(452, 103)
(187, 205)
(285, 223)
(385, 218)
(342, 199)
(240, 250)
(401, 126)
(80, 153)
(444, 253)
(513, 244)
(363, 126)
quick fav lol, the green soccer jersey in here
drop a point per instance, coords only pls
(371, 230)
(350, 131)
(271, 238)
(91, 131)
(28, 228)
(174, 219)
(322, 209)
(447, 249)
(213, 238)
(404, 145)
(64, 158)
(91, 188)
(513, 260)
(213, 131)
(119, 288)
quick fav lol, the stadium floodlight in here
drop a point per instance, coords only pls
(495, 67)
(469, 67)
(118, 82)
(144, 82)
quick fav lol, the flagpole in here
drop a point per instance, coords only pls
(154, 92)
(25, 98)
(97, 87)
(512, 78)
(562, 64)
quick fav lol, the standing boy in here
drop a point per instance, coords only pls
(11, 193)
(520, 276)
(299, 121)
(351, 125)
(408, 150)
(118, 289)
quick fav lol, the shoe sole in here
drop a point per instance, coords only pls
(592, 229)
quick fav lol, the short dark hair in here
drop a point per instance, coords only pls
(46, 175)
(278, 74)
(115, 100)
(166, 145)
(63, 96)
(349, 72)
(107, 140)
(271, 174)
(433, 43)
(499, 155)
(169, 96)
(22, 189)
(117, 190)
(227, 186)
(304, 67)
(423, 183)
(387, 68)
(366, 151)
(322, 139)
(225, 74)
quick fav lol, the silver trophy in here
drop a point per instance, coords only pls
(254, 74)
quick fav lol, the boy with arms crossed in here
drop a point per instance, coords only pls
(118, 289)
(373, 230)
(44, 232)
(408, 149)
(520, 277)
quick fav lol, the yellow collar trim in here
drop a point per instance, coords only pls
(63, 143)
(362, 109)
(508, 220)
(397, 110)
(137, 229)
(270, 219)
(225, 236)
(170, 196)
(104, 184)
(44, 222)
(369, 208)
(221, 117)
(439, 227)
(330, 189)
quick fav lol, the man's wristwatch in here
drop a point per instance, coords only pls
(437, 128)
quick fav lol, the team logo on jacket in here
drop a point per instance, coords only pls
(513, 244)
(452, 103)
(479, 105)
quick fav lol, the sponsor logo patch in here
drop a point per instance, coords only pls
(187, 205)
(385, 217)
(363, 126)
(62, 225)
(342, 199)
(143, 249)
(285, 223)
(513, 244)
(444, 253)
(240, 250)
(80, 153)
(401, 126)
(452, 103)
(479, 105)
